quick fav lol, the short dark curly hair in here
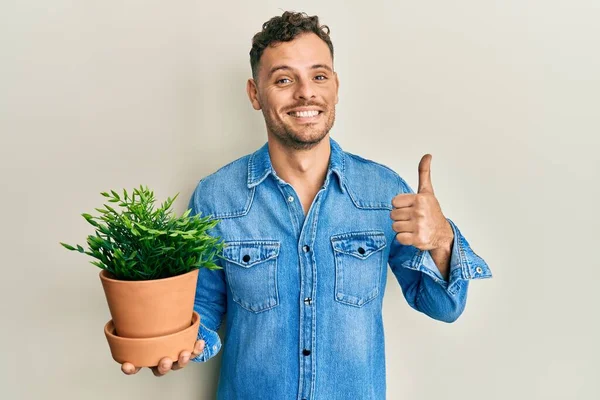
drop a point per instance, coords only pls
(284, 29)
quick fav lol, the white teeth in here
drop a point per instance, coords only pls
(305, 114)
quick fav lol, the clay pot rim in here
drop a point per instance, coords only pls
(104, 276)
(109, 330)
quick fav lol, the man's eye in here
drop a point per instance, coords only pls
(282, 79)
(321, 76)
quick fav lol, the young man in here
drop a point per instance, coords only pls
(310, 230)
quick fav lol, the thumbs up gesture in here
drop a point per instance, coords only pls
(418, 218)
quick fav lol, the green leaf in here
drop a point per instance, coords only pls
(98, 264)
(68, 246)
(142, 227)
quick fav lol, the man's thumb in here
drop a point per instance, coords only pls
(425, 185)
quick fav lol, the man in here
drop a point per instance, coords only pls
(310, 230)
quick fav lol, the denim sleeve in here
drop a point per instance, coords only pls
(211, 297)
(422, 284)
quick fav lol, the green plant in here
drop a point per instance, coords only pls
(140, 243)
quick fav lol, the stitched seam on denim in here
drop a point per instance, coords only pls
(272, 249)
(237, 213)
(463, 259)
(454, 287)
(295, 221)
(361, 257)
(358, 233)
(367, 205)
(320, 195)
(419, 291)
(254, 263)
(251, 169)
(247, 306)
(343, 185)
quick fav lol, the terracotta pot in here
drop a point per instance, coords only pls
(147, 352)
(148, 309)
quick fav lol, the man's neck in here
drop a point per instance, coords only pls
(303, 169)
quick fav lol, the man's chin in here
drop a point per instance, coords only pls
(302, 142)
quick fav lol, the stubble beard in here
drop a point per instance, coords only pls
(291, 138)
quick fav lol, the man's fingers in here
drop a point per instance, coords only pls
(164, 366)
(403, 227)
(403, 200)
(129, 369)
(401, 214)
(405, 238)
(198, 348)
(425, 185)
(184, 358)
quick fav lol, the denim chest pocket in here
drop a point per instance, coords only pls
(358, 266)
(251, 268)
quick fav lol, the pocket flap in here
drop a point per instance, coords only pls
(249, 253)
(359, 244)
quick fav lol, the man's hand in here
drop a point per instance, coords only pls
(166, 364)
(418, 218)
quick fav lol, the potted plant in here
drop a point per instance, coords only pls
(150, 261)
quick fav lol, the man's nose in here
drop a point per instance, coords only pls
(305, 89)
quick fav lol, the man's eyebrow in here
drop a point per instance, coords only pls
(318, 66)
(277, 68)
(287, 67)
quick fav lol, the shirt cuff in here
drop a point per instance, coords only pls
(212, 344)
(465, 264)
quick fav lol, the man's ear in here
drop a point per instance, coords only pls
(337, 87)
(252, 90)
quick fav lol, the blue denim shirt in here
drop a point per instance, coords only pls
(303, 294)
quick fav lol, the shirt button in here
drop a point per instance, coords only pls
(306, 352)
(479, 270)
(306, 248)
(291, 199)
(308, 301)
(246, 258)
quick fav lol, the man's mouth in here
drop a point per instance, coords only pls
(305, 115)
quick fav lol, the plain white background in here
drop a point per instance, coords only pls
(504, 95)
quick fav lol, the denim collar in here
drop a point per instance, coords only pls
(259, 165)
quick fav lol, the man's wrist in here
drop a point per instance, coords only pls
(447, 238)
(441, 255)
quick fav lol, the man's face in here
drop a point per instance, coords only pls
(297, 91)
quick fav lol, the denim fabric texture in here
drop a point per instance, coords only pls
(302, 294)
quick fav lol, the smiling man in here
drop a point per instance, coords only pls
(310, 230)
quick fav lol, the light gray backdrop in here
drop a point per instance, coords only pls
(99, 95)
